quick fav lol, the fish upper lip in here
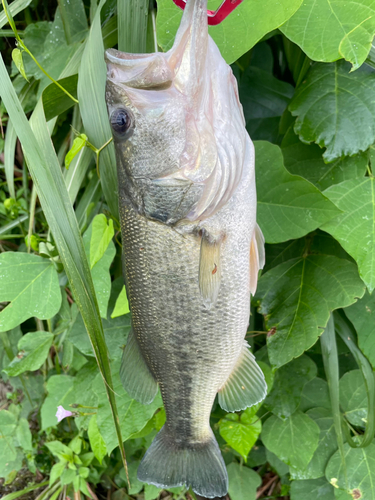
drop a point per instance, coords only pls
(112, 56)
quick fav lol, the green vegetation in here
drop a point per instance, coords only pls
(307, 85)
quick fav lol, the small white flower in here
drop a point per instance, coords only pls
(62, 413)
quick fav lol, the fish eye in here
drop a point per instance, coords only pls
(121, 121)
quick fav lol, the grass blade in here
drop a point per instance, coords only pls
(132, 25)
(331, 368)
(54, 198)
(15, 8)
(347, 333)
(91, 91)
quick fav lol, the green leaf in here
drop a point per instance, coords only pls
(14, 8)
(277, 465)
(33, 350)
(59, 388)
(335, 109)
(56, 471)
(264, 99)
(32, 288)
(115, 330)
(133, 415)
(353, 397)
(151, 492)
(288, 206)
(96, 440)
(312, 488)
(74, 19)
(23, 435)
(289, 381)
(237, 33)
(91, 89)
(100, 271)
(360, 472)
(101, 236)
(239, 432)
(326, 447)
(354, 228)
(297, 298)
(327, 30)
(59, 449)
(135, 484)
(68, 476)
(362, 315)
(307, 161)
(315, 393)
(122, 304)
(293, 440)
(18, 61)
(243, 482)
(55, 100)
(78, 143)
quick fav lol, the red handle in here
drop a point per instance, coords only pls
(215, 16)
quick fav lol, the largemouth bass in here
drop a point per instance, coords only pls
(191, 246)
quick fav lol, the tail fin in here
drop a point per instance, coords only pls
(168, 464)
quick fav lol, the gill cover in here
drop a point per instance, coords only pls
(193, 75)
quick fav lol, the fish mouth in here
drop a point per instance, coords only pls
(139, 71)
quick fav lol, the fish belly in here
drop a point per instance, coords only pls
(189, 348)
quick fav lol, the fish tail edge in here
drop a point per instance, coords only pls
(168, 464)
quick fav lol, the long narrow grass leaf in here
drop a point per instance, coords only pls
(20, 493)
(347, 333)
(14, 8)
(54, 198)
(132, 17)
(331, 367)
(91, 91)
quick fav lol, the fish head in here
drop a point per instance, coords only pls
(177, 124)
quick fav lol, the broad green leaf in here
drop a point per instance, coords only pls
(293, 440)
(101, 236)
(91, 91)
(353, 397)
(55, 101)
(8, 454)
(297, 297)
(122, 304)
(354, 228)
(239, 432)
(326, 447)
(280, 467)
(307, 161)
(74, 19)
(362, 315)
(18, 61)
(115, 330)
(315, 393)
(33, 350)
(96, 440)
(31, 285)
(335, 109)
(133, 415)
(360, 463)
(239, 32)
(135, 484)
(327, 30)
(289, 382)
(59, 449)
(151, 492)
(23, 434)
(59, 388)
(288, 206)
(312, 488)
(100, 270)
(243, 482)
(264, 99)
(78, 143)
(56, 472)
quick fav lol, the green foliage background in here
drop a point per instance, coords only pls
(307, 86)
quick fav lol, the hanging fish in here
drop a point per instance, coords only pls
(191, 246)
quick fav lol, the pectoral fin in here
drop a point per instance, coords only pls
(135, 375)
(209, 269)
(245, 386)
(257, 257)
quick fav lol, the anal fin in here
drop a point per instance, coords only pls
(135, 375)
(209, 268)
(245, 386)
